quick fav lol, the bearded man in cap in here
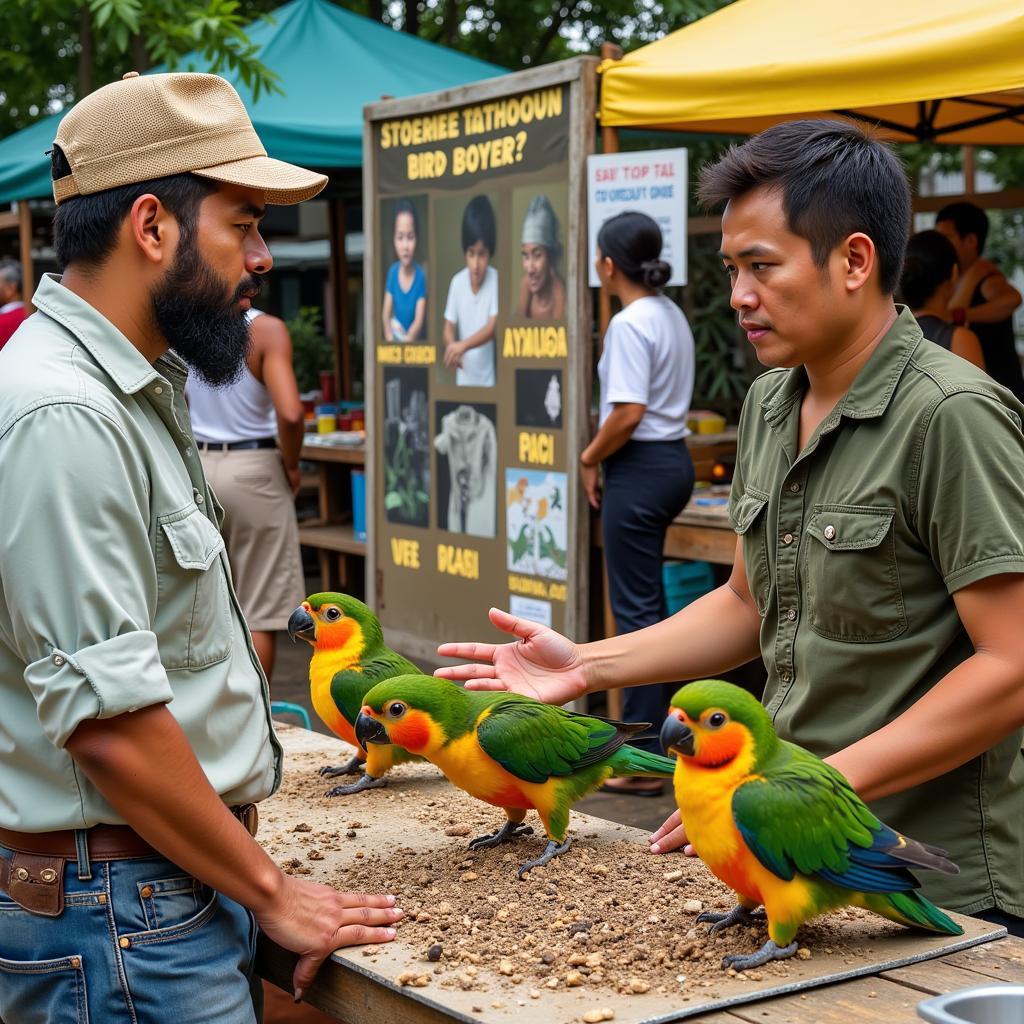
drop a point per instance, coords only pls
(136, 736)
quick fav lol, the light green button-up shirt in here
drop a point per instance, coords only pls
(910, 489)
(116, 592)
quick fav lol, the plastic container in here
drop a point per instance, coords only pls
(684, 582)
(984, 1004)
(326, 419)
(359, 504)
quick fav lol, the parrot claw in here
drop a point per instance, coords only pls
(366, 782)
(552, 850)
(738, 915)
(768, 952)
(353, 767)
(507, 832)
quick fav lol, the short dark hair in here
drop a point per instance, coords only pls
(407, 206)
(835, 178)
(929, 264)
(85, 227)
(633, 241)
(478, 224)
(968, 219)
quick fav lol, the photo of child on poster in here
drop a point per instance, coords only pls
(542, 292)
(404, 311)
(467, 468)
(471, 309)
(536, 525)
(406, 446)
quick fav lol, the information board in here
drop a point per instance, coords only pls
(478, 369)
(651, 181)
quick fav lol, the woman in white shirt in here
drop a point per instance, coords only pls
(646, 374)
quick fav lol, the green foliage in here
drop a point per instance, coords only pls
(55, 51)
(402, 483)
(311, 351)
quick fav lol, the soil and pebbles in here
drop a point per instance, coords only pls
(607, 917)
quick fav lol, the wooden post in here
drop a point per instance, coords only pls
(339, 299)
(970, 185)
(609, 144)
(25, 240)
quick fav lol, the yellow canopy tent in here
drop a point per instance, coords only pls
(923, 70)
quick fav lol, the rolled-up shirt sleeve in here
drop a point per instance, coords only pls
(77, 567)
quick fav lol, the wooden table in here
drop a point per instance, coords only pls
(331, 533)
(362, 989)
(702, 532)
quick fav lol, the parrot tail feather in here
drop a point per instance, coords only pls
(913, 910)
(629, 760)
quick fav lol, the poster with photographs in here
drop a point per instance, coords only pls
(467, 469)
(536, 523)
(479, 376)
(406, 446)
(539, 399)
(404, 269)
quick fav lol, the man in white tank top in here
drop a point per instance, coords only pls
(249, 436)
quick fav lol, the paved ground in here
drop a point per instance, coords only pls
(291, 683)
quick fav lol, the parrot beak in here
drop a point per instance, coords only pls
(369, 730)
(301, 623)
(677, 737)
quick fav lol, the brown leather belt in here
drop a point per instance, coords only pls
(105, 842)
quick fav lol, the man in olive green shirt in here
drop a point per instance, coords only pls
(879, 502)
(136, 720)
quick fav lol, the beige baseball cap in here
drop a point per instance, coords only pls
(151, 126)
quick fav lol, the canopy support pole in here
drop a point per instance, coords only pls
(338, 286)
(25, 247)
(970, 182)
(609, 144)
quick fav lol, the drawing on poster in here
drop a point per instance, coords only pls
(406, 446)
(539, 399)
(467, 475)
(536, 523)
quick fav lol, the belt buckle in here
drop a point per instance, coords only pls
(249, 816)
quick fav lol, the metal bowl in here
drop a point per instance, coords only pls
(985, 1004)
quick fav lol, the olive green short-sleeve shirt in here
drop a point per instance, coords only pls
(115, 592)
(911, 488)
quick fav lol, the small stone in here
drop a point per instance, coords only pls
(872, 995)
(469, 876)
(548, 957)
(551, 983)
(435, 952)
(693, 907)
(804, 953)
(360, 854)
(350, 834)
(672, 876)
(638, 986)
(457, 830)
(354, 824)
(315, 855)
(599, 869)
(535, 993)
(506, 967)
(574, 979)
(302, 827)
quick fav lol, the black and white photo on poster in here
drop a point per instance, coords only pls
(467, 448)
(406, 446)
(539, 399)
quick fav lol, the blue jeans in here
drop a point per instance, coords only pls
(140, 942)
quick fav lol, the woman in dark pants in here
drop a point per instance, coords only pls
(646, 374)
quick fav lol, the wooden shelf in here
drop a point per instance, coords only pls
(332, 538)
(326, 453)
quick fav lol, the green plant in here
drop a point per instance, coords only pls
(402, 489)
(311, 351)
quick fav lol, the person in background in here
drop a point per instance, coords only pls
(471, 311)
(12, 309)
(646, 373)
(249, 434)
(983, 299)
(405, 291)
(929, 276)
(542, 290)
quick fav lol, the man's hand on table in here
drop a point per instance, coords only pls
(540, 663)
(314, 920)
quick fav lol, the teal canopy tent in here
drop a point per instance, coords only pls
(330, 62)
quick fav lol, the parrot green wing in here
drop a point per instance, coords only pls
(801, 815)
(349, 687)
(536, 741)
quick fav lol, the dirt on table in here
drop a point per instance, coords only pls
(606, 917)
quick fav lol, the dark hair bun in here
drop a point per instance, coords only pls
(656, 272)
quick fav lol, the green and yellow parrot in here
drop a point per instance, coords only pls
(783, 829)
(349, 657)
(506, 749)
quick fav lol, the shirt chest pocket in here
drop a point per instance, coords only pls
(749, 520)
(193, 618)
(851, 578)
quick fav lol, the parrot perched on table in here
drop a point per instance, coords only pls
(783, 829)
(349, 657)
(506, 749)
